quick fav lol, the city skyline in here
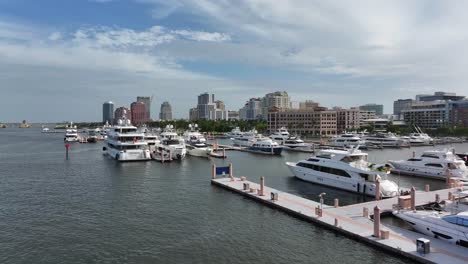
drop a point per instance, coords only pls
(73, 55)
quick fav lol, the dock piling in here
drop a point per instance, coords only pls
(437, 198)
(213, 172)
(376, 221)
(365, 212)
(413, 198)
(262, 186)
(231, 173)
(336, 203)
(377, 189)
(336, 222)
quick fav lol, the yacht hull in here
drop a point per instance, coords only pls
(129, 155)
(200, 152)
(271, 151)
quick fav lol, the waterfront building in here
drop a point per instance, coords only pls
(365, 115)
(233, 115)
(401, 104)
(121, 112)
(377, 108)
(220, 105)
(308, 105)
(347, 119)
(138, 112)
(147, 101)
(444, 96)
(166, 111)
(309, 122)
(276, 100)
(207, 108)
(252, 109)
(427, 114)
(108, 112)
(459, 113)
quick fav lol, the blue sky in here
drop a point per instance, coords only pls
(61, 59)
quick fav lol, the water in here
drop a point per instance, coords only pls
(91, 209)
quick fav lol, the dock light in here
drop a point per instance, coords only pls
(321, 200)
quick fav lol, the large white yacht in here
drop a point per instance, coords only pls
(71, 133)
(452, 228)
(173, 143)
(196, 142)
(125, 143)
(247, 138)
(280, 135)
(343, 169)
(236, 132)
(347, 140)
(386, 140)
(265, 145)
(435, 164)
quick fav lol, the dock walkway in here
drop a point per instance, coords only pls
(349, 220)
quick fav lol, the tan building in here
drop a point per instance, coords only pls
(316, 123)
(347, 119)
(308, 105)
(365, 115)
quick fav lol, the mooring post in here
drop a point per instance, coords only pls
(213, 171)
(450, 196)
(413, 198)
(448, 178)
(377, 189)
(437, 198)
(170, 155)
(336, 222)
(376, 221)
(231, 173)
(262, 186)
(365, 212)
(427, 188)
(336, 203)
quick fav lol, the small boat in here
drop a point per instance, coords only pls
(125, 143)
(3, 126)
(196, 142)
(92, 137)
(436, 164)
(452, 228)
(343, 169)
(45, 129)
(296, 144)
(24, 124)
(173, 143)
(71, 133)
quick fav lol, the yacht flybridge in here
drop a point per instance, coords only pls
(71, 133)
(280, 135)
(435, 164)
(173, 143)
(196, 142)
(247, 138)
(343, 169)
(452, 228)
(347, 140)
(125, 143)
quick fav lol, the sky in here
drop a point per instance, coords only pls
(61, 59)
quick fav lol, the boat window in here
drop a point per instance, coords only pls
(436, 165)
(314, 160)
(324, 156)
(171, 142)
(349, 159)
(456, 220)
(414, 159)
(430, 156)
(367, 177)
(328, 170)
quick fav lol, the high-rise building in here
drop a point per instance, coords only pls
(317, 123)
(459, 113)
(377, 108)
(108, 112)
(308, 105)
(233, 115)
(401, 104)
(347, 119)
(138, 111)
(166, 111)
(252, 109)
(193, 115)
(122, 113)
(147, 101)
(220, 105)
(428, 114)
(208, 109)
(276, 100)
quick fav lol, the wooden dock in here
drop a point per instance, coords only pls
(349, 220)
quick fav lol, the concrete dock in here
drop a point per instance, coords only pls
(352, 222)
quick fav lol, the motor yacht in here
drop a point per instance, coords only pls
(173, 143)
(236, 132)
(420, 139)
(71, 133)
(125, 143)
(435, 164)
(280, 135)
(296, 144)
(196, 142)
(343, 169)
(452, 228)
(347, 140)
(92, 137)
(246, 138)
(386, 140)
(265, 145)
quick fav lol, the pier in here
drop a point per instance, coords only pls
(358, 221)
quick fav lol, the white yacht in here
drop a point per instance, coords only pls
(125, 143)
(452, 228)
(343, 169)
(347, 140)
(432, 164)
(247, 138)
(420, 138)
(265, 145)
(173, 143)
(280, 135)
(71, 133)
(296, 144)
(196, 142)
(236, 132)
(386, 140)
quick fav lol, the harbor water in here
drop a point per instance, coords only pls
(91, 209)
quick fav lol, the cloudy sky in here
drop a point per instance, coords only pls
(61, 59)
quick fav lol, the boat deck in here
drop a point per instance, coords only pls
(349, 220)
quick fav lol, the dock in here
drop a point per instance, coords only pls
(355, 221)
